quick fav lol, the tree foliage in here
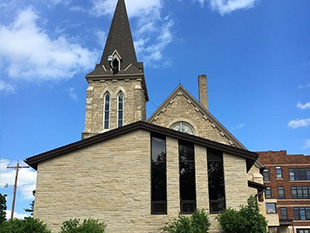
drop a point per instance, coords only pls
(2, 208)
(88, 225)
(198, 222)
(27, 225)
(247, 219)
(30, 210)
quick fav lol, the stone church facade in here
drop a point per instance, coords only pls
(136, 173)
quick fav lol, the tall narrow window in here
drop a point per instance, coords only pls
(120, 109)
(187, 177)
(281, 194)
(216, 181)
(158, 175)
(268, 192)
(106, 110)
(266, 176)
(283, 212)
(279, 172)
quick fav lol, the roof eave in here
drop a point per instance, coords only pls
(249, 156)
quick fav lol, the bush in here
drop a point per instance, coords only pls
(247, 219)
(27, 225)
(198, 222)
(88, 225)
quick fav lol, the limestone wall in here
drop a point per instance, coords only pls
(182, 109)
(134, 104)
(110, 181)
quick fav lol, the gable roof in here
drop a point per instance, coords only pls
(201, 108)
(35, 160)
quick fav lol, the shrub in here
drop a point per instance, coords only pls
(247, 219)
(88, 225)
(27, 225)
(198, 222)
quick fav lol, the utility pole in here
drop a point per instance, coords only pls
(17, 167)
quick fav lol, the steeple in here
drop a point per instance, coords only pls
(116, 93)
(119, 56)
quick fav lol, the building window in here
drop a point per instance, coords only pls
(300, 192)
(266, 176)
(279, 172)
(187, 177)
(302, 213)
(106, 110)
(271, 208)
(158, 175)
(303, 230)
(299, 173)
(281, 194)
(183, 127)
(120, 109)
(216, 181)
(268, 192)
(283, 211)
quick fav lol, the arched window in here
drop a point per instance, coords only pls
(183, 127)
(106, 110)
(120, 109)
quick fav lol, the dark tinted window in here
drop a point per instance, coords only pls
(187, 177)
(158, 175)
(216, 181)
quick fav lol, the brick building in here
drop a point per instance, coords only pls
(136, 173)
(287, 178)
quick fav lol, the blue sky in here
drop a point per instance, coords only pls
(256, 54)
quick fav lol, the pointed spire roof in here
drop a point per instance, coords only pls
(120, 38)
(119, 44)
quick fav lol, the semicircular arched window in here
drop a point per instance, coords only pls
(183, 127)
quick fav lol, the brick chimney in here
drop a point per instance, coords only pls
(203, 90)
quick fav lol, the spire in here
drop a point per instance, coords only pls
(120, 39)
(119, 53)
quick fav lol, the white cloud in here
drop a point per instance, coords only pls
(6, 87)
(150, 50)
(135, 8)
(26, 178)
(30, 51)
(299, 123)
(241, 125)
(72, 93)
(228, 6)
(303, 106)
(307, 144)
(16, 215)
(304, 86)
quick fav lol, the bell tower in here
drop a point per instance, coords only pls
(116, 93)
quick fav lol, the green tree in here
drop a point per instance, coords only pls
(88, 225)
(247, 219)
(2, 208)
(30, 210)
(198, 222)
(27, 225)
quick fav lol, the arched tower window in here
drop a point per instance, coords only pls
(115, 66)
(107, 110)
(120, 109)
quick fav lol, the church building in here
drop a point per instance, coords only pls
(135, 173)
